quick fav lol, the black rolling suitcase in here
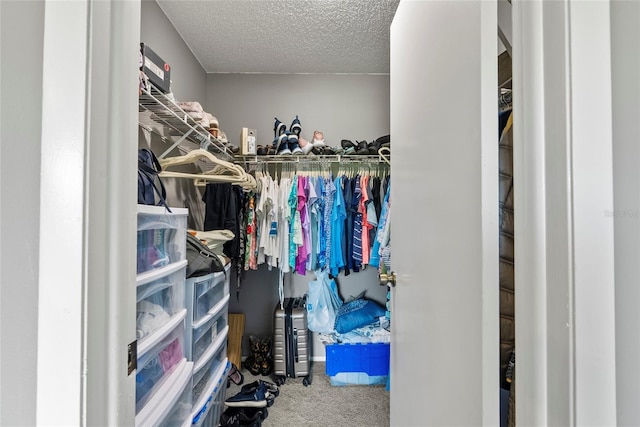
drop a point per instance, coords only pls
(291, 342)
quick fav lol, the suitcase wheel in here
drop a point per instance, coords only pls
(280, 380)
(306, 381)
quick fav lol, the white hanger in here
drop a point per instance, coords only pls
(382, 151)
(222, 172)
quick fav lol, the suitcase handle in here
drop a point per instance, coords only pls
(295, 344)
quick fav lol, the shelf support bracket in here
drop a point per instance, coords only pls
(175, 144)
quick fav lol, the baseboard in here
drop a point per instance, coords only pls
(313, 358)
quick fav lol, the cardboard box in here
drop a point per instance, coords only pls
(156, 69)
(248, 141)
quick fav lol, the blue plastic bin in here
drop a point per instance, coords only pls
(357, 364)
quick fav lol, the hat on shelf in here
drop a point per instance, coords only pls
(213, 121)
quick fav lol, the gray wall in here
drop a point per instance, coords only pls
(352, 107)
(188, 83)
(20, 136)
(342, 106)
(188, 79)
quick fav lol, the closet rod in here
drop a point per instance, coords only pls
(310, 160)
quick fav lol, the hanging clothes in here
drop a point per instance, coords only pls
(338, 216)
(304, 222)
(284, 224)
(222, 211)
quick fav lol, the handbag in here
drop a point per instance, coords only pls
(148, 169)
(200, 259)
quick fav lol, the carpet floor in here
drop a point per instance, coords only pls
(323, 405)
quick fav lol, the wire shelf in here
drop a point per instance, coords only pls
(159, 114)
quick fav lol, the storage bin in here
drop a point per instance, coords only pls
(161, 237)
(171, 404)
(206, 331)
(205, 369)
(208, 409)
(160, 295)
(357, 364)
(181, 411)
(206, 291)
(157, 358)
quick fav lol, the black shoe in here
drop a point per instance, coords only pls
(373, 147)
(243, 417)
(329, 151)
(348, 146)
(255, 398)
(271, 387)
(362, 148)
(383, 140)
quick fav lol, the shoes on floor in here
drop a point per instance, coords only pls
(270, 387)
(252, 398)
(243, 417)
(235, 375)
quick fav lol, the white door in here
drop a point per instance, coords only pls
(444, 123)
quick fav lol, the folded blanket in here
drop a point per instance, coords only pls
(190, 106)
(215, 239)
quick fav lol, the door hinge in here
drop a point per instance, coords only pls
(132, 357)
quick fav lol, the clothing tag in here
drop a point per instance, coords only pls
(273, 231)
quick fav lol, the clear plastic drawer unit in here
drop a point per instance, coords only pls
(161, 237)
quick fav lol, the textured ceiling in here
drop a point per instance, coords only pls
(285, 36)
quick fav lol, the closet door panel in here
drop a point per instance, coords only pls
(445, 303)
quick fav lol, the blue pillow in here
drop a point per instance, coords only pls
(356, 314)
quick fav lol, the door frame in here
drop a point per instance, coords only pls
(563, 187)
(86, 311)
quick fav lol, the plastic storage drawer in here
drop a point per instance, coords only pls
(161, 236)
(357, 364)
(158, 357)
(171, 405)
(208, 409)
(206, 291)
(160, 295)
(206, 331)
(204, 370)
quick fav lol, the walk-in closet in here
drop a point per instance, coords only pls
(510, 166)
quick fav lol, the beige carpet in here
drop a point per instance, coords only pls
(322, 404)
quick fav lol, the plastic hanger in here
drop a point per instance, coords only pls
(222, 172)
(382, 151)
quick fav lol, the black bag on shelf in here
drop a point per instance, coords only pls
(200, 259)
(148, 170)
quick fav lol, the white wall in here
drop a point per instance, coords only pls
(354, 107)
(625, 68)
(20, 117)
